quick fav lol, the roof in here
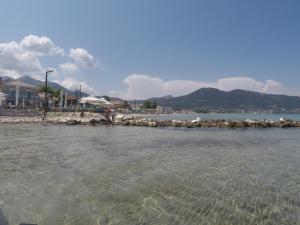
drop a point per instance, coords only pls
(116, 102)
(72, 97)
(19, 83)
(42, 94)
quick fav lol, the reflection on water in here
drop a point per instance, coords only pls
(3, 220)
(132, 175)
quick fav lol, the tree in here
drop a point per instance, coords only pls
(147, 104)
(48, 89)
(150, 105)
(54, 93)
(106, 98)
(126, 105)
(154, 105)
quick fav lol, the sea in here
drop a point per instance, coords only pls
(82, 175)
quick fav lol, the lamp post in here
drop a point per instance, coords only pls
(46, 93)
(80, 91)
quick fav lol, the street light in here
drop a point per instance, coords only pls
(46, 93)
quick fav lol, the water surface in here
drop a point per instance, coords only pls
(134, 175)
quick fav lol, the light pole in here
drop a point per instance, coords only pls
(80, 91)
(46, 93)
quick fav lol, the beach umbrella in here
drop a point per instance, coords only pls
(94, 101)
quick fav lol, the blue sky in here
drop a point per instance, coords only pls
(144, 48)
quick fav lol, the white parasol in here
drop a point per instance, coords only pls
(94, 101)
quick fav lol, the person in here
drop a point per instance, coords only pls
(113, 115)
(108, 113)
(82, 114)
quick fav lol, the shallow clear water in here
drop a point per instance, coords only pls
(132, 175)
(226, 116)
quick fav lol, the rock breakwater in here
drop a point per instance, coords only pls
(94, 119)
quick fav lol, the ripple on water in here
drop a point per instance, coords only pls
(65, 175)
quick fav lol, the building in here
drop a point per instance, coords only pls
(19, 94)
(71, 101)
(164, 110)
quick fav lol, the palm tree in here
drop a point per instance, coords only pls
(50, 91)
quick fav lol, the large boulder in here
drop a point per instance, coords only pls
(71, 122)
(119, 118)
(152, 124)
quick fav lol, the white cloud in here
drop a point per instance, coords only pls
(141, 86)
(15, 60)
(245, 83)
(83, 58)
(23, 58)
(73, 84)
(26, 57)
(68, 68)
(40, 45)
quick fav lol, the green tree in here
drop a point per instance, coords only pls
(149, 104)
(154, 105)
(54, 93)
(48, 89)
(106, 98)
(126, 105)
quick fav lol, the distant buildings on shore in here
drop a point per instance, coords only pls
(18, 93)
(164, 110)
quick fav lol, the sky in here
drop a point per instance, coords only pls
(137, 49)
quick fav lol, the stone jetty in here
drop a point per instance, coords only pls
(94, 119)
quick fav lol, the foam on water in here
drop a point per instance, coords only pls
(132, 175)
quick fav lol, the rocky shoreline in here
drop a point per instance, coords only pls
(94, 119)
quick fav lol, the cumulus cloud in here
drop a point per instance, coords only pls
(26, 56)
(141, 86)
(20, 58)
(15, 60)
(73, 84)
(40, 45)
(83, 58)
(68, 68)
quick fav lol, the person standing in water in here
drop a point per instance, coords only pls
(108, 115)
(113, 115)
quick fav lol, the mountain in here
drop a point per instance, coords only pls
(53, 85)
(214, 100)
(6, 78)
(34, 82)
